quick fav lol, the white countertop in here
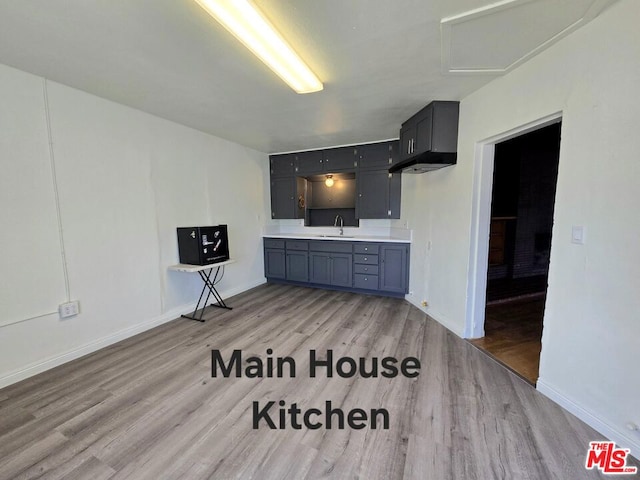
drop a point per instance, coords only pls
(350, 238)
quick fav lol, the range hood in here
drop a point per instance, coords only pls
(429, 139)
(426, 162)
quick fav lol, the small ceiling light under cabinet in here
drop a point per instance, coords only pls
(329, 181)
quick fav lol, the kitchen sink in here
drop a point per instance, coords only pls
(335, 236)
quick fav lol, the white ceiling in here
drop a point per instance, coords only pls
(380, 61)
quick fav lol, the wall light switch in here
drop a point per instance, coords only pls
(577, 235)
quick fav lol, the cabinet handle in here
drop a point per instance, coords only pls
(365, 259)
(366, 249)
(408, 146)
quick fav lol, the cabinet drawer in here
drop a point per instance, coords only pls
(330, 246)
(273, 243)
(368, 248)
(297, 245)
(369, 282)
(365, 259)
(366, 269)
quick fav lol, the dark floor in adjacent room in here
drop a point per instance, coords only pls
(513, 333)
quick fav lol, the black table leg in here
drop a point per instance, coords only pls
(209, 287)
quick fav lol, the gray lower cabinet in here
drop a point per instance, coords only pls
(394, 268)
(381, 268)
(297, 266)
(331, 268)
(274, 263)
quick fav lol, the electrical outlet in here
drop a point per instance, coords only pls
(69, 309)
(425, 303)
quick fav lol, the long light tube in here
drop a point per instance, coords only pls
(248, 25)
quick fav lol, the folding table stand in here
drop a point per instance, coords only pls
(209, 286)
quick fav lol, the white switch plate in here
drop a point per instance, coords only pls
(577, 234)
(69, 309)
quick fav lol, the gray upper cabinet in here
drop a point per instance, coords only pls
(373, 194)
(283, 197)
(282, 165)
(378, 194)
(286, 189)
(308, 163)
(378, 191)
(394, 273)
(337, 160)
(377, 155)
(432, 129)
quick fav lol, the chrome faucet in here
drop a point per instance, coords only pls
(335, 223)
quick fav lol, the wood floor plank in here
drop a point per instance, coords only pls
(147, 407)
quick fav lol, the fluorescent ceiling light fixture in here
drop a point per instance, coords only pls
(248, 25)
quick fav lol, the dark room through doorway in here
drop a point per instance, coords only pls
(523, 196)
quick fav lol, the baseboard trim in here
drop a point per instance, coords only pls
(441, 319)
(614, 434)
(49, 363)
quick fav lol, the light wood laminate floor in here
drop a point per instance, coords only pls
(147, 407)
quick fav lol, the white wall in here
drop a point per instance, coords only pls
(125, 181)
(590, 347)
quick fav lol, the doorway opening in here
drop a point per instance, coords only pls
(524, 177)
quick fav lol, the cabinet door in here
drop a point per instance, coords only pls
(423, 131)
(339, 160)
(282, 165)
(393, 268)
(283, 197)
(395, 194)
(297, 266)
(309, 163)
(373, 194)
(394, 151)
(341, 267)
(375, 155)
(444, 135)
(407, 139)
(319, 269)
(274, 263)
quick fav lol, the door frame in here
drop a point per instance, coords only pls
(481, 219)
